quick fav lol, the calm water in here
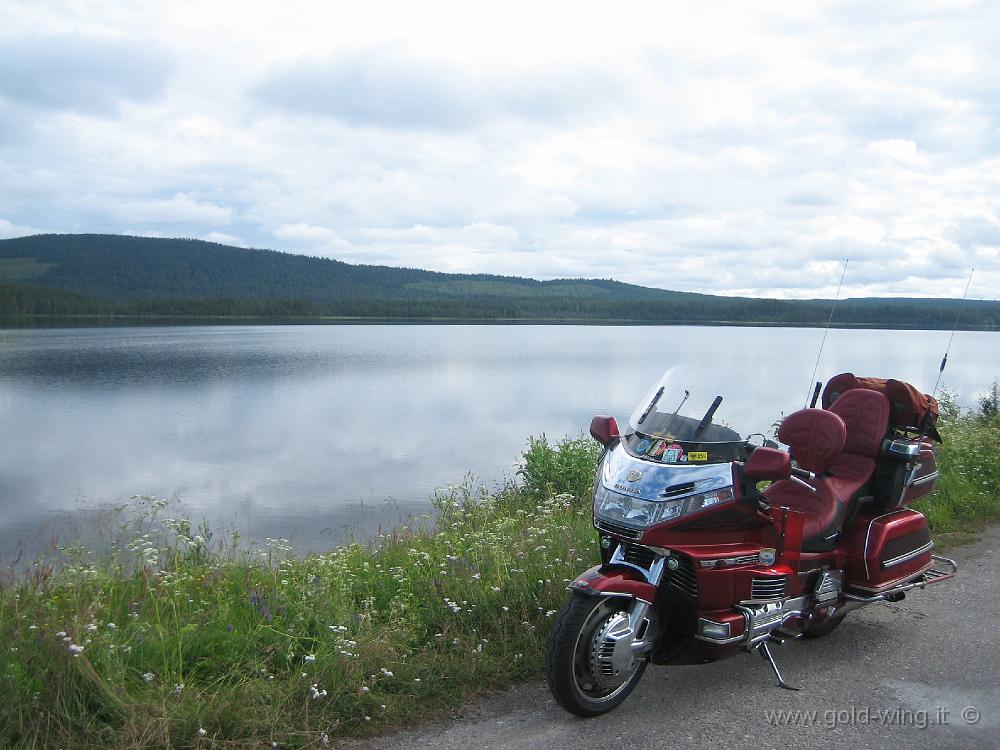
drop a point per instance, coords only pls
(309, 432)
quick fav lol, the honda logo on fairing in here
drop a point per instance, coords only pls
(634, 476)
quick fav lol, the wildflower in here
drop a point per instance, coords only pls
(386, 672)
(178, 688)
(201, 732)
(309, 657)
(112, 626)
(148, 676)
(364, 689)
(91, 627)
(416, 679)
(550, 613)
(316, 692)
(32, 627)
(324, 740)
(61, 634)
(75, 650)
(505, 609)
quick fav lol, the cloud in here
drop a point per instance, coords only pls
(976, 231)
(9, 229)
(182, 208)
(391, 88)
(718, 148)
(87, 74)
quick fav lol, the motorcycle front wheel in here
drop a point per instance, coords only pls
(581, 678)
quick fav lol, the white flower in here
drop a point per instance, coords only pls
(32, 627)
(178, 687)
(316, 692)
(364, 689)
(91, 627)
(148, 676)
(201, 732)
(75, 650)
(61, 634)
(309, 657)
(112, 626)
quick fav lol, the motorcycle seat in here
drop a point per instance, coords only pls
(816, 438)
(866, 416)
(840, 445)
(822, 513)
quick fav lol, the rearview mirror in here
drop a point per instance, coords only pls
(767, 463)
(604, 430)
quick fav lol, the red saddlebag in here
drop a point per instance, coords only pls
(887, 550)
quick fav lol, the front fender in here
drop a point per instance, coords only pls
(614, 580)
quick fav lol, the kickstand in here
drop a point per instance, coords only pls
(765, 653)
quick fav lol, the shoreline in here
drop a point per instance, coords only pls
(19, 322)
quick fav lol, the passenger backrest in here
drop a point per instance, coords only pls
(866, 416)
(815, 436)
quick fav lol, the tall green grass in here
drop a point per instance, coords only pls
(967, 495)
(175, 638)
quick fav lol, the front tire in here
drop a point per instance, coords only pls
(571, 675)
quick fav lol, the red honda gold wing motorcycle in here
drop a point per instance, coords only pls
(698, 563)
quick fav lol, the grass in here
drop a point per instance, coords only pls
(967, 495)
(178, 639)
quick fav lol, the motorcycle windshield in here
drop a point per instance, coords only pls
(694, 414)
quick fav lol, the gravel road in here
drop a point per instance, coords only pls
(923, 673)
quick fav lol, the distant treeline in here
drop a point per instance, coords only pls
(23, 300)
(115, 275)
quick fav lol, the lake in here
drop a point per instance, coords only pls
(316, 432)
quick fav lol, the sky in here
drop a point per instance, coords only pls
(731, 148)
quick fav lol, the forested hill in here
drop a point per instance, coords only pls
(120, 275)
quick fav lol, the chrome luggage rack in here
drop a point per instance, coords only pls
(942, 569)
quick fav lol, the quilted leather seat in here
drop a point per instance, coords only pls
(840, 445)
(866, 415)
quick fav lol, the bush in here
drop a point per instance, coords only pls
(564, 468)
(989, 402)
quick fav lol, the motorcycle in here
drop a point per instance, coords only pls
(714, 541)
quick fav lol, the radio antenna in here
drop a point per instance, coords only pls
(958, 316)
(822, 343)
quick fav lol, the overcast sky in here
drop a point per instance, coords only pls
(744, 149)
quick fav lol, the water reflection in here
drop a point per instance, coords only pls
(307, 432)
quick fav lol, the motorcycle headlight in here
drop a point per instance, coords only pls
(640, 514)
